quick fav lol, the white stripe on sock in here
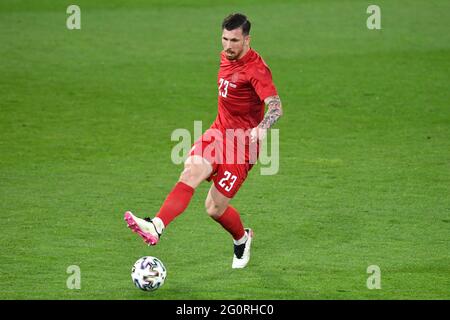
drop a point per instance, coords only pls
(241, 240)
(159, 224)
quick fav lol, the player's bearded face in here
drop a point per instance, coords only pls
(234, 43)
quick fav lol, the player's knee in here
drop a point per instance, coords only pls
(193, 174)
(212, 209)
(187, 176)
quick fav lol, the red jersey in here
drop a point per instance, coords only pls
(243, 85)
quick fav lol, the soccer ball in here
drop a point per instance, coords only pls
(148, 273)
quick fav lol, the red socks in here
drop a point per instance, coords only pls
(175, 203)
(231, 221)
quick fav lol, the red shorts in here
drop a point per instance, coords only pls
(229, 172)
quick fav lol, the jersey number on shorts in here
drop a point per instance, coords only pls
(225, 84)
(228, 176)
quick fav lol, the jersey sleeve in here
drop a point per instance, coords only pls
(261, 80)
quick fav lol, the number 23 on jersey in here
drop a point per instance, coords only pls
(223, 87)
(227, 182)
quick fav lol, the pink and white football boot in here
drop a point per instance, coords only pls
(148, 229)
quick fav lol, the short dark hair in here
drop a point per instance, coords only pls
(237, 20)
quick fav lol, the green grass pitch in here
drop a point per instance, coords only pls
(85, 123)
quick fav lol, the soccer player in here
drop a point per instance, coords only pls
(245, 87)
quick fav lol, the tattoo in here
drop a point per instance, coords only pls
(273, 113)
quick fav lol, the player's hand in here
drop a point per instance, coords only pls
(257, 134)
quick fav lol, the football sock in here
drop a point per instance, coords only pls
(241, 240)
(175, 203)
(231, 221)
(159, 224)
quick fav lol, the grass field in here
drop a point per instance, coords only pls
(85, 123)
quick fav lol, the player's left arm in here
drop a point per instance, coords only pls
(274, 112)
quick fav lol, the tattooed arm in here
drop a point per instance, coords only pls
(273, 113)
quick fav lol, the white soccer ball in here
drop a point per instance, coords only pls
(148, 273)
